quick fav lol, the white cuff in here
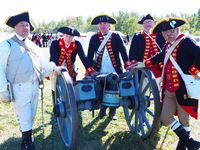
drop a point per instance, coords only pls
(52, 65)
(198, 74)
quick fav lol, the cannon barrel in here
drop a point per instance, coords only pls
(141, 105)
(111, 90)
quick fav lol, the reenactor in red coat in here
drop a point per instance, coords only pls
(145, 44)
(175, 100)
(103, 53)
(64, 51)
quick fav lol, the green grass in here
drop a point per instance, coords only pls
(93, 134)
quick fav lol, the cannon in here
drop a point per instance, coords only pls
(135, 90)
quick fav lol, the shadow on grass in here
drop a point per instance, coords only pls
(129, 141)
(90, 137)
(11, 144)
(52, 140)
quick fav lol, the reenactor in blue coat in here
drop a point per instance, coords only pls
(104, 49)
(175, 101)
(64, 50)
(146, 44)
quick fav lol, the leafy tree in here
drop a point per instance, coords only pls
(197, 25)
(89, 27)
(126, 23)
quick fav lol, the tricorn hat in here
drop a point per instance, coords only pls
(167, 24)
(148, 16)
(69, 30)
(13, 20)
(103, 18)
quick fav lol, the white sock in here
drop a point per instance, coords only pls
(186, 128)
(174, 125)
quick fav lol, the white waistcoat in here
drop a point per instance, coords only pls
(19, 65)
(106, 64)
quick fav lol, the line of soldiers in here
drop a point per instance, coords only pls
(42, 40)
(148, 49)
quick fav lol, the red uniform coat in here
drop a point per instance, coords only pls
(187, 55)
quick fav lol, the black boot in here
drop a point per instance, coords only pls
(102, 113)
(184, 137)
(112, 113)
(27, 143)
(181, 145)
(193, 145)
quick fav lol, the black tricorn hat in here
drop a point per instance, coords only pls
(167, 24)
(69, 30)
(13, 20)
(148, 16)
(103, 18)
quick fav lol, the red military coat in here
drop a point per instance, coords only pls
(187, 55)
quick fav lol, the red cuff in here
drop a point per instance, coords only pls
(194, 70)
(128, 63)
(133, 62)
(148, 63)
(89, 70)
(48, 78)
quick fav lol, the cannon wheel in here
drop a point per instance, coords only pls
(66, 110)
(143, 116)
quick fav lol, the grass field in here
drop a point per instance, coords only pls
(93, 134)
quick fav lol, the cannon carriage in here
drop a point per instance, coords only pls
(136, 91)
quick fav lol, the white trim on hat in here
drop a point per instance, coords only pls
(172, 23)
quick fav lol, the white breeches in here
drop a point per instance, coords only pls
(25, 105)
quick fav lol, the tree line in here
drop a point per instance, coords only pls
(126, 23)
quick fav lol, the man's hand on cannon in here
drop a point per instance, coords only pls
(58, 69)
(90, 73)
(93, 75)
(130, 67)
(139, 65)
(136, 65)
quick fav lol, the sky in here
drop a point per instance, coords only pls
(47, 10)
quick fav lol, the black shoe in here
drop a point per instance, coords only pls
(27, 146)
(132, 105)
(112, 114)
(181, 145)
(193, 145)
(102, 113)
(184, 136)
(113, 117)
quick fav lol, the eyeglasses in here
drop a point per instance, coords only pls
(169, 31)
